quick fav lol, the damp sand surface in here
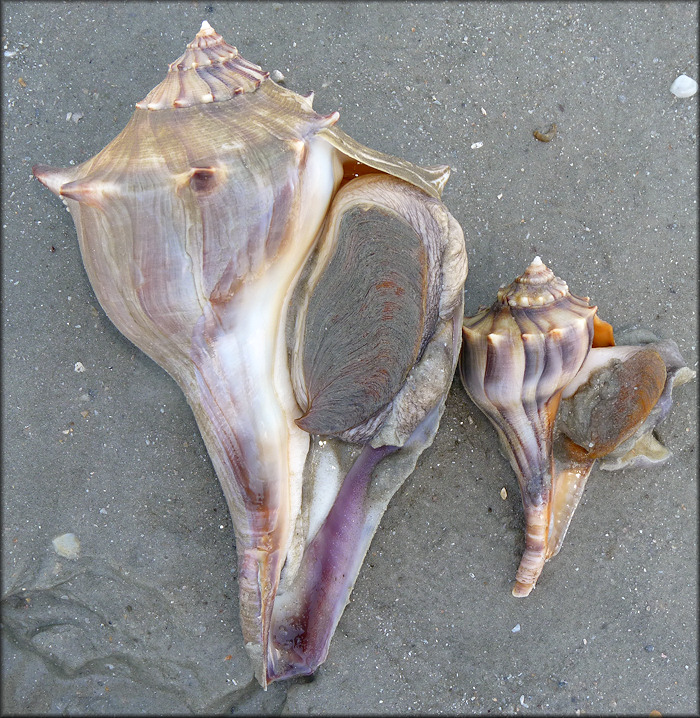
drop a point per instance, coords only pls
(98, 441)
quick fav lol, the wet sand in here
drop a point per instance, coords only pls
(146, 619)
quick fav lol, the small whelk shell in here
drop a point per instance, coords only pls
(294, 283)
(562, 395)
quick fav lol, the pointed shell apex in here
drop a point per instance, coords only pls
(210, 70)
(536, 287)
(206, 29)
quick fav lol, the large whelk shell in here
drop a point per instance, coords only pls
(517, 357)
(293, 282)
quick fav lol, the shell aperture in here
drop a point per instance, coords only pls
(222, 232)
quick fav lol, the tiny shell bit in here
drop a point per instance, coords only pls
(295, 284)
(684, 86)
(601, 404)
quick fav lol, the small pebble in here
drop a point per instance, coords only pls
(516, 628)
(684, 86)
(476, 145)
(67, 545)
(504, 493)
(649, 648)
(276, 76)
(79, 367)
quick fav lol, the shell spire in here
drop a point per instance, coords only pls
(536, 287)
(210, 70)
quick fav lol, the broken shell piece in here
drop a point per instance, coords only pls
(67, 545)
(684, 86)
(276, 76)
(547, 136)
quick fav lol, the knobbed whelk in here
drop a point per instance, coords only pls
(562, 395)
(305, 292)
